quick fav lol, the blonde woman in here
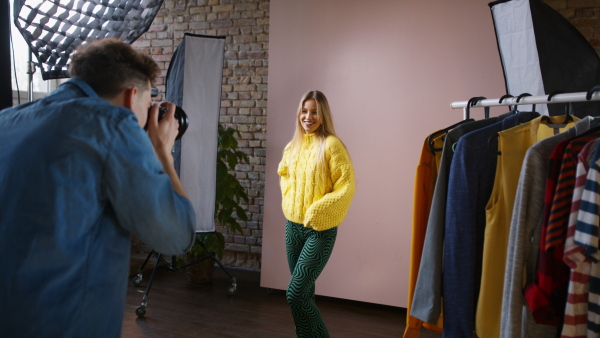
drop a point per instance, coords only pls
(317, 186)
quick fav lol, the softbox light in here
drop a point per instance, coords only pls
(54, 28)
(194, 83)
(542, 53)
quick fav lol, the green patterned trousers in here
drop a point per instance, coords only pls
(307, 252)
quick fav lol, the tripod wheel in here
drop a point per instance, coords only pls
(137, 279)
(140, 311)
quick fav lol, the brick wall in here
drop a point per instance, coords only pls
(245, 24)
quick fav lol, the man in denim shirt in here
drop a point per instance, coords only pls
(78, 175)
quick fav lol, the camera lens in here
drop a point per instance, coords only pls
(180, 116)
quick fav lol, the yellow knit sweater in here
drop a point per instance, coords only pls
(308, 199)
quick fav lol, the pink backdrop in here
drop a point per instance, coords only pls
(390, 69)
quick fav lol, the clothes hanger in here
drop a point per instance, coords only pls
(473, 101)
(513, 108)
(506, 96)
(524, 95)
(495, 137)
(430, 138)
(447, 129)
(468, 107)
(568, 109)
(591, 91)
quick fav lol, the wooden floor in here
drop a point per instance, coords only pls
(179, 308)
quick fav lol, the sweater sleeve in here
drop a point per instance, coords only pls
(331, 209)
(283, 172)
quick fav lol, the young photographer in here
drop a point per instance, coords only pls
(78, 176)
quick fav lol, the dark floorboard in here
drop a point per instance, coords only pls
(178, 308)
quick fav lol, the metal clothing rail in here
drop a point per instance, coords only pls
(508, 100)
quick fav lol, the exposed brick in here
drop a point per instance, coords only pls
(237, 247)
(243, 38)
(244, 87)
(243, 167)
(222, 8)
(162, 57)
(264, 5)
(141, 44)
(242, 79)
(198, 10)
(157, 28)
(158, 43)
(261, 104)
(221, 24)
(246, 22)
(246, 7)
(198, 25)
(243, 119)
(582, 3)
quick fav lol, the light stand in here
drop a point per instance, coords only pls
(30, 72)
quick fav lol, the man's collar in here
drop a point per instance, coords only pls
(82, 85)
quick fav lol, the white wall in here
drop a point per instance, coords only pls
(390, 69)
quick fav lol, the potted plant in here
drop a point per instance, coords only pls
(229, 195)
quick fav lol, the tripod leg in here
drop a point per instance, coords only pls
(138, 278)
(232, 289)
(141, 310)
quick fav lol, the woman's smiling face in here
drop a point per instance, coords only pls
(309, 118)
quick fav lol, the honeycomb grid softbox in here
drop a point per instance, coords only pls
(54, 28)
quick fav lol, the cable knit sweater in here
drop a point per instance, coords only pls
(308, 199)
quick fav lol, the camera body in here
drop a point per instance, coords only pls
(180, 116)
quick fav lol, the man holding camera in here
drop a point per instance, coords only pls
(78, 175)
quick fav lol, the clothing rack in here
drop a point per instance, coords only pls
(508, 100)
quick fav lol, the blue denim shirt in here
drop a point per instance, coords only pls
(77, 177)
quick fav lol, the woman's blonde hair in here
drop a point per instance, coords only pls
(325, 129)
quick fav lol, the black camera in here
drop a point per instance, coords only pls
(180, 116)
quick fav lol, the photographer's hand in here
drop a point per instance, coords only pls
(162, 134)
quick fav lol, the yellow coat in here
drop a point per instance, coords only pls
(316, 202)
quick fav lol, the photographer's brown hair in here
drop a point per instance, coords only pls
(111, 65)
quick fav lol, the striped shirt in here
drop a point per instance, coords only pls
(575, 322)
(563, 194)
(552, 274)
(586, 236)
